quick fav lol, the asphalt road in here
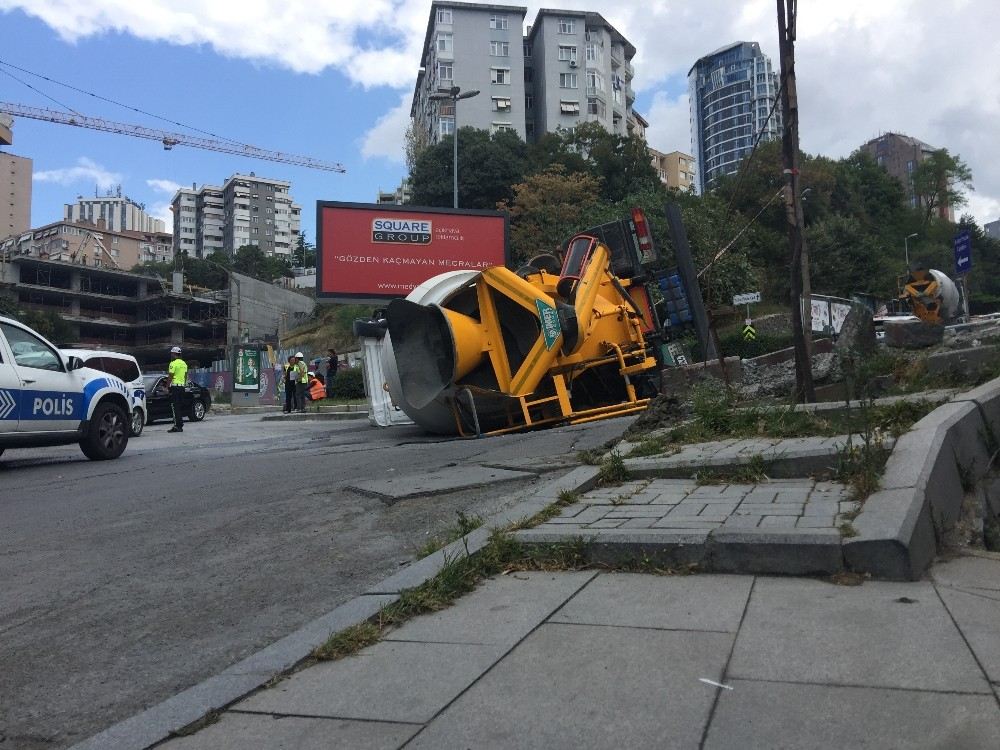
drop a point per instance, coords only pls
(125, 582)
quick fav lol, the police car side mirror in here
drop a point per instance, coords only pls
(74, 363)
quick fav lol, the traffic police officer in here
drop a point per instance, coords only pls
(177, 370)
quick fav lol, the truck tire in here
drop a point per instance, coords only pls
(107, 432)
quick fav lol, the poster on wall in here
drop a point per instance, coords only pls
(246, 368)
(369, 253)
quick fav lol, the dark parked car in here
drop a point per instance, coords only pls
(197, 400)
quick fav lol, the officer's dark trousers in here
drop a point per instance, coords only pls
(177, 405)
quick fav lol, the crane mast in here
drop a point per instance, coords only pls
(169, 140)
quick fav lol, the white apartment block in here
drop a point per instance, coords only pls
(245, 210)
(570, 67)
(120, 213)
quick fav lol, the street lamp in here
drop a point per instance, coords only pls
(454, 94)
(906, 249)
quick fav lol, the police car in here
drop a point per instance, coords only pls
(49, 398)
(126, 368)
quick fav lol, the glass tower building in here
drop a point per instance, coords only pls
(731, 91)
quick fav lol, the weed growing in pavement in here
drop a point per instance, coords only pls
(349, 641)
(613, 469)
(462, 526)
(651, 446)
(847, 529)
(863, 457)
(753, 471)
(590, 457)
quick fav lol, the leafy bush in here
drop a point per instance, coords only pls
(348, 383)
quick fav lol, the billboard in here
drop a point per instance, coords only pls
(365, 251)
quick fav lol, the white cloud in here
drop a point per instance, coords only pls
(386, 138)
(373, 42)
(86, 170)
(164, 186)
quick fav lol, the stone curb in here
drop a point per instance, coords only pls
(782, 462)
(163, 720)
(314, 416)
(946, 453)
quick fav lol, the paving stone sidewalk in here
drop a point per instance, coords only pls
(606, 660)
(683, 504)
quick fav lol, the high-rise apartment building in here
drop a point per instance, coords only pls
(246, 210)
(15, 194)
(731, 92)
(899, 155)
(120, 213)
(570, 67)
(676, 170)
(992, 229)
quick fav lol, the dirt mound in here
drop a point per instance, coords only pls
(665, 410)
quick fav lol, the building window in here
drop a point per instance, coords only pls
(567, 53)
(444, 15)
(596, 107)
(498, 22)
(595, 80)
(501, 104)
(911, 165)
(593, 53)
(529, 75)
(446, 126)
(567, 80)
(500, 127)
(569, 107)
(529, 102)
(445, 71)
(529, 128)
(527, 50)
(444, 43)
(567, 26)
(499, 49)
(500, 75)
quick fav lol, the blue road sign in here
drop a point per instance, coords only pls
(963, 252)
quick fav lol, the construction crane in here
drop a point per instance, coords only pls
(169, 140)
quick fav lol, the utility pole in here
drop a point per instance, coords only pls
(804, 390)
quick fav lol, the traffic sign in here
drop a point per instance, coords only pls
(963, 252)
(746, 299)
(749, 333)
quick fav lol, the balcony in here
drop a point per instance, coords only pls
(595, 93)
(629, 70)
(629, 94)
(617, 58)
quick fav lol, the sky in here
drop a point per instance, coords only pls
(333, 79)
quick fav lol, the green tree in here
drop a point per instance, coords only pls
(488, 167)
(416, 140)
(304, 254)
(621, 163)
(548, 207)
(940, 180)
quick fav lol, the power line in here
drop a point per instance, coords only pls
(104, 99)
(38, 91)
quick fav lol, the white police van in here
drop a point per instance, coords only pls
(49, 398)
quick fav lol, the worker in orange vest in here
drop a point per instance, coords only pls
(316, 390)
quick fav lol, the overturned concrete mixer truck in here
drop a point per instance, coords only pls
(556, 341)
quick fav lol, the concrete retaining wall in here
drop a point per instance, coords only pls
(947, 454)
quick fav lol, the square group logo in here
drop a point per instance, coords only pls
(372, 252)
